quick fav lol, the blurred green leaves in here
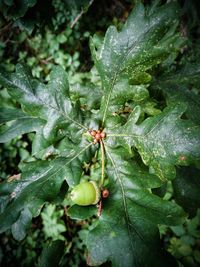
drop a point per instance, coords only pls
(52, 223)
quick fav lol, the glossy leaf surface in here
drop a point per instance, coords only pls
(130, 217)
(144, 144)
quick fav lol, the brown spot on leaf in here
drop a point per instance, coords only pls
(14, 177)
(182, 158)
(89, 261)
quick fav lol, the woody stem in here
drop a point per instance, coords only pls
(102, 163)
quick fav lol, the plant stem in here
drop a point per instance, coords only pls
(81, 14)
(102, 163)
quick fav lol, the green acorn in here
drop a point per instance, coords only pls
(86, 193)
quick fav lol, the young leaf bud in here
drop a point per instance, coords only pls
(105, 193)
(98, 136)
(103, 135)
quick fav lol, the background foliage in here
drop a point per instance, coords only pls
(43, 38)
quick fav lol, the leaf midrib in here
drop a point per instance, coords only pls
(119, 70)
(47, 180)
(63, 166)
(31, 94)
(127, 220)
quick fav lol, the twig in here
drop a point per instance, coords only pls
(102, 162)
(80, 14)
(6, 27)
(46, 61)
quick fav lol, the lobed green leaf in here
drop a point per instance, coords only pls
(129, 218)
(125, 57)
